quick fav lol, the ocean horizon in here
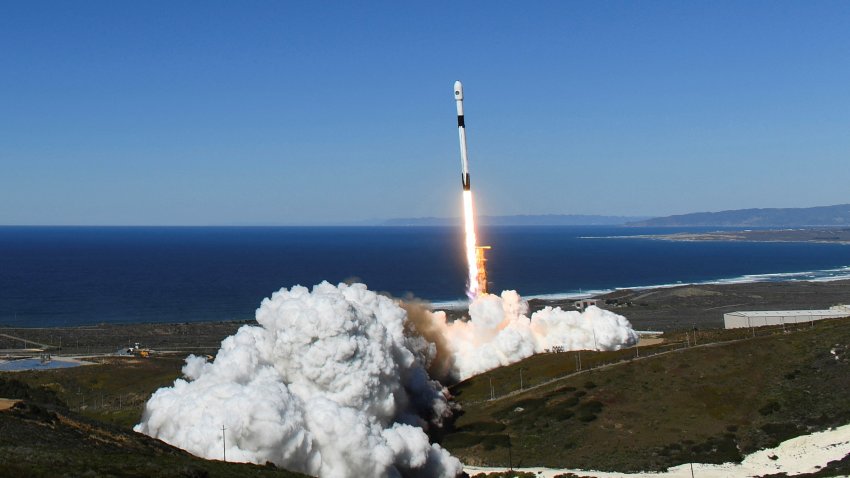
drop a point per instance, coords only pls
(70, 275)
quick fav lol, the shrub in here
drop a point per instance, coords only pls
(490, 442)
(593, 406)
(482, 427)
(563, 414)
(780, 432)
(772, 406)
(586, 416)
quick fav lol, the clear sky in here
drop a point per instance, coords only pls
(275, 112)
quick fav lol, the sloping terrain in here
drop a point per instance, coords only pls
(838, 215)
(114, 390)
(40, 437)
(707, 404)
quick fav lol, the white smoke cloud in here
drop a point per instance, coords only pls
(333, 381)
(329, 384)
(499, 333)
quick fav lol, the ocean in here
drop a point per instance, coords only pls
(66, 276)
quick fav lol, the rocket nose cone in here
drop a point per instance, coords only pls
(458, 90)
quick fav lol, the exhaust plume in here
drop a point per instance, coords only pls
(499, 333)
(334, 381)
(328, 384)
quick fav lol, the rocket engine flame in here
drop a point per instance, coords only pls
(472, 286)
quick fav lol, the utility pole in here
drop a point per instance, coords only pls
(695, 334)
(223, 445)
(692, 470)
(510, 455)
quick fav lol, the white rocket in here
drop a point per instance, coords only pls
(461, 130)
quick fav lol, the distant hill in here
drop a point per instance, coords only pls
(838, 215)
(520, 220)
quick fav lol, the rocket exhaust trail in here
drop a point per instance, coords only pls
(477, 278)
(472, 288)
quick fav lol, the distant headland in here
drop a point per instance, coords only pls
(838, 215)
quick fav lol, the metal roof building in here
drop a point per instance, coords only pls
(760, 318)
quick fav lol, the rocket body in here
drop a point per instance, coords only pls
(461, 131)
(474, 278)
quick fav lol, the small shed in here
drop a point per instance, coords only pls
(584, 304)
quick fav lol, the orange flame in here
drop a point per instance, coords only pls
(476, 282)
(481, 262)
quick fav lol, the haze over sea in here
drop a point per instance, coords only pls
(65, 276)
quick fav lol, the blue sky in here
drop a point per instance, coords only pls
(188, 113)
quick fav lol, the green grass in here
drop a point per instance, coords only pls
(708, 404)
(702, 403)
(40, 437)
(114, 391)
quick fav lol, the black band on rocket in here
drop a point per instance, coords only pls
(460, 121)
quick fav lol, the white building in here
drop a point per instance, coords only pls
(583, 304)
(760, 318)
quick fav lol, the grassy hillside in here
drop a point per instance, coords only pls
(709, 404)
(40, 437)
(114, 391)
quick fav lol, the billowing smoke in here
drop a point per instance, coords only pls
(499, 332)
(329, 384)
(333, 381)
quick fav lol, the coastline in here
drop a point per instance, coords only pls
(840, 236)
(661, 307)
(685, 306)
(823, 275)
